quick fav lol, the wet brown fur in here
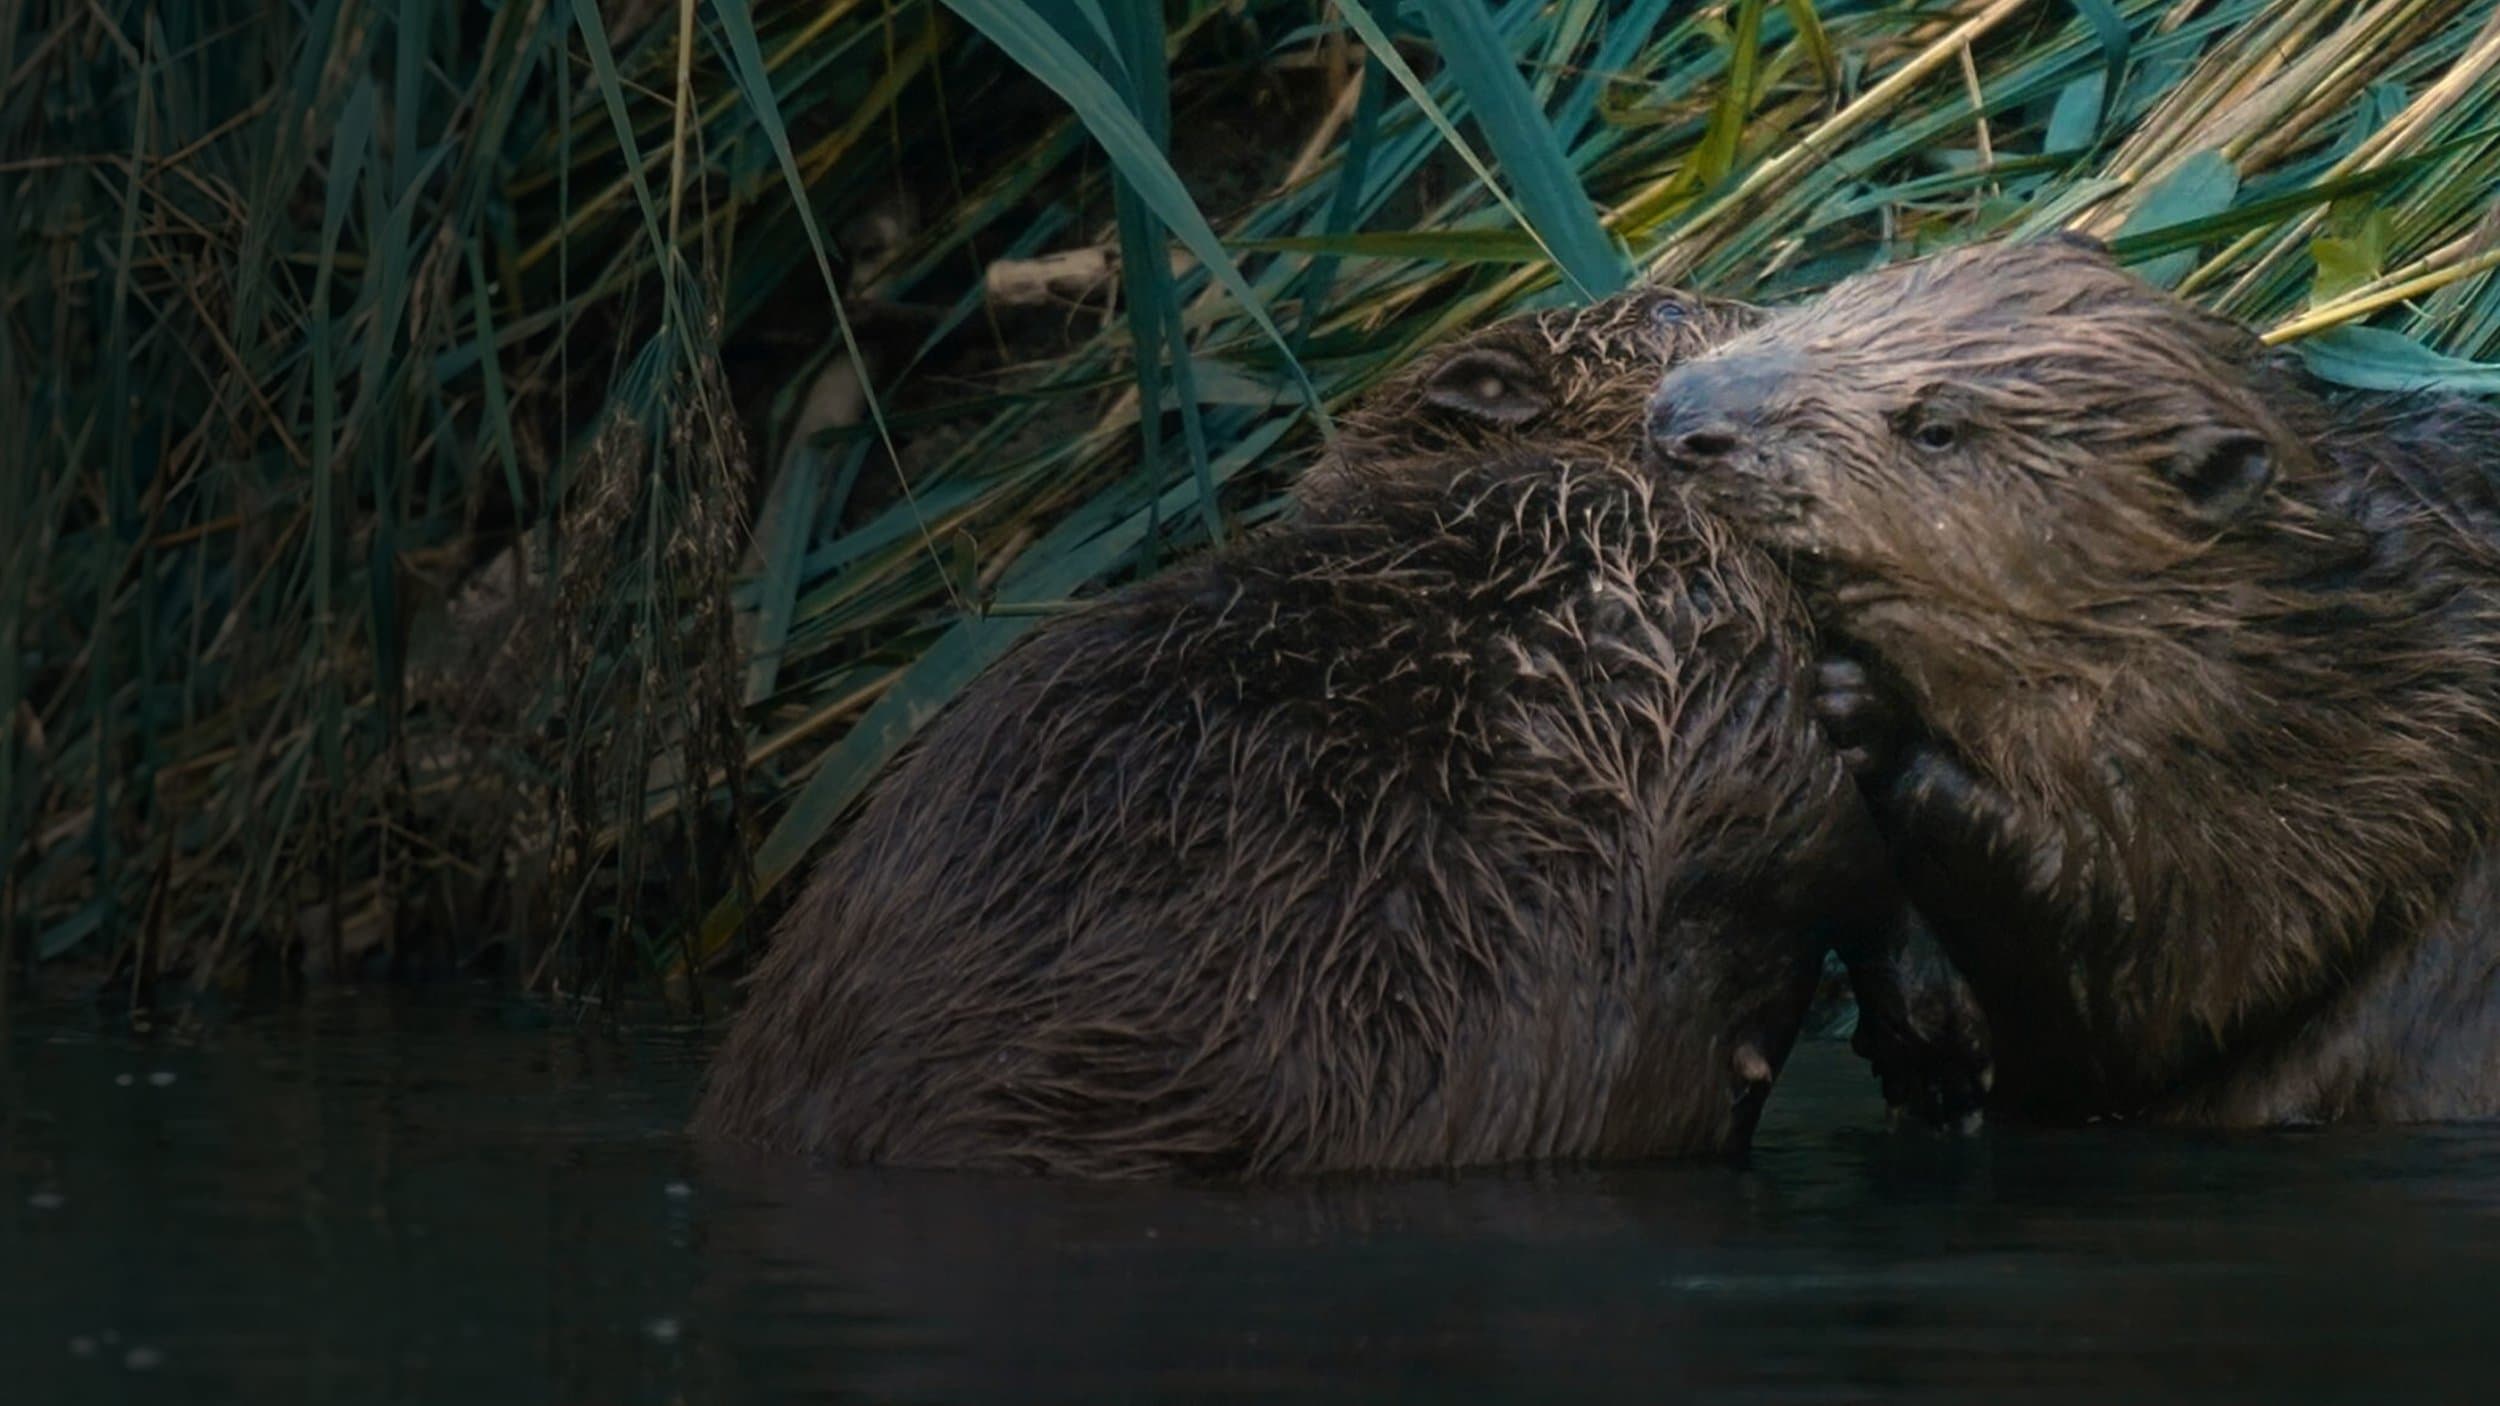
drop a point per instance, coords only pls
(1585, 376)
(1474, 815)
(2201, 666)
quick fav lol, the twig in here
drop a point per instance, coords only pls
(1979, 114)
(2363, 302)
(1315, 149)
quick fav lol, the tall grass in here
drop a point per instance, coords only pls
(386, 583)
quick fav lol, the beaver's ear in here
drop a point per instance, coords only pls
(2221, 472)
(1488, 384)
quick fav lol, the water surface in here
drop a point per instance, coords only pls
(458, 1199)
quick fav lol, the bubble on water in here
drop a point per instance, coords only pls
(662, 1330)
(161, 1078)
(82, 1346)
(141, 1359)
(124, 1080)
(678, 1191)
(47, 1200)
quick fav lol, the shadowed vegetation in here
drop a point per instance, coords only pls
(458, 503)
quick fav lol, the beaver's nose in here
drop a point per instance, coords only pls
(1704, 410)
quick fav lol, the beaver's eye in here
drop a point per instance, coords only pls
(1932, 421)
(1489, 385)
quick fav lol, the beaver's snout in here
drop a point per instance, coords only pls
(1705, 410)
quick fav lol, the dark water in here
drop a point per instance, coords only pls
(375, 1200)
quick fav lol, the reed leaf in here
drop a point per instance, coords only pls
(384, 589)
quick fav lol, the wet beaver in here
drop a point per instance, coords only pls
(2173, 672)
(1475, 814)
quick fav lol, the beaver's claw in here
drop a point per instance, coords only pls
(1919, 1026)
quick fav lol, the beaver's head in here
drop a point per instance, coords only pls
(2211, 633)
(1567, 383)
(2015, 461)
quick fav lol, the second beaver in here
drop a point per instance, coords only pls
(1475, 815)
(2176, 676)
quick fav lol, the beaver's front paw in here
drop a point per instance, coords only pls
(1922, 1030)
(1865, 725)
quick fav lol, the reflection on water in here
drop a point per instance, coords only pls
(385, 1200)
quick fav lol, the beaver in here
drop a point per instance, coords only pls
(1475, 813)
(2173, 673)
